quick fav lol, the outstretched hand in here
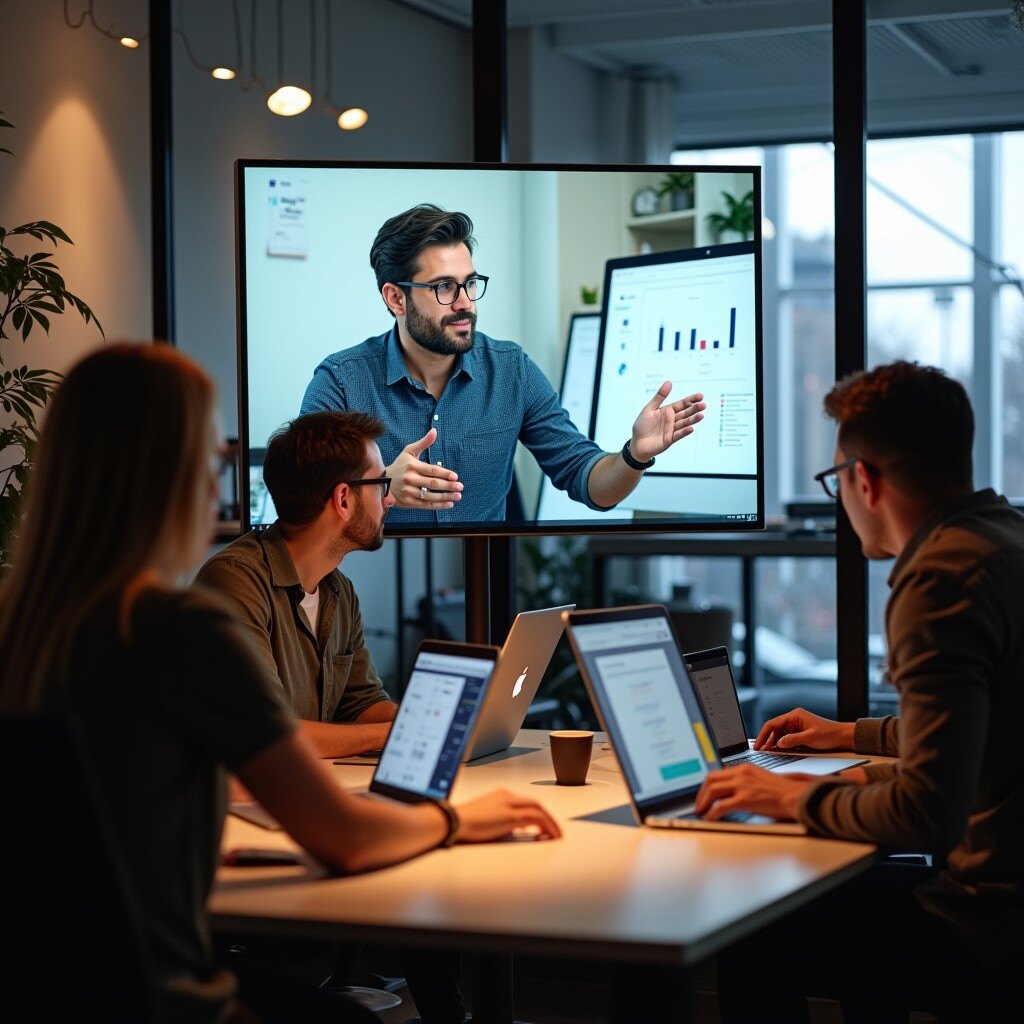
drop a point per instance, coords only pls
(416, 484)
(659, 426)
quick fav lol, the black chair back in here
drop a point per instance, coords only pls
(72, 943)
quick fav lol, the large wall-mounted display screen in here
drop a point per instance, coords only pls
(360, 289)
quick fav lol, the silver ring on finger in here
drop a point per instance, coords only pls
(423, 493)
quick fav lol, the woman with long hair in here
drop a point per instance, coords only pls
(94, 622)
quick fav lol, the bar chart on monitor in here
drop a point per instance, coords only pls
(691, 323)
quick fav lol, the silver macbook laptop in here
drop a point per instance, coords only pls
(637, 680)
(524, 659)
(713, 679)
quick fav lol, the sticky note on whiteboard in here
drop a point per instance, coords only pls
(287, 216)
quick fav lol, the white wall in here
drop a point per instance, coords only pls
(79, 103)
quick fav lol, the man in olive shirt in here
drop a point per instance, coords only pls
(325, 475)
(950, 940)
(326, 478)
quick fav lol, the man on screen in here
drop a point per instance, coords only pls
(455, 401)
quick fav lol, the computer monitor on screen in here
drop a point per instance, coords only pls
(261, 505)
(689, 316)
(435, 297)
(577, 397)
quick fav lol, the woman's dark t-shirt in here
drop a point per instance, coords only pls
(166, 714)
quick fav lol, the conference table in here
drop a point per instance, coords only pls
(644, 905)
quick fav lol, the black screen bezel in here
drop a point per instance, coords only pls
(520, 528)
(707, 655)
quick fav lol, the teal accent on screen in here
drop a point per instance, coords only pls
(675, 771)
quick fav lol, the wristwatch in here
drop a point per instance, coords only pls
(631, 462)
(454, 824)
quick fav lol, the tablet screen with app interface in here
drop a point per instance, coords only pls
(435, 720)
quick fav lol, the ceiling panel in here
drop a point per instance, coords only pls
(931, 62)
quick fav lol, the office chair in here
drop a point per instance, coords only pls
(73, 946)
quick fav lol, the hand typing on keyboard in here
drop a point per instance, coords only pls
(750, 788)
(799, 728)
(763, 760)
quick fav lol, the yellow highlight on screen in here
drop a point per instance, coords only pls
(705, 742)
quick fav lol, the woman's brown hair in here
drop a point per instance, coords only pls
(120, 486)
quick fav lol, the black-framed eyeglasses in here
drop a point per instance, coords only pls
(829, 478)
(447, 291)
(383, 482)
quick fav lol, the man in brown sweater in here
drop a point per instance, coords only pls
(950, 941)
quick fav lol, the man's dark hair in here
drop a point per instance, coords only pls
(308, 457)
(396, 250)
(911, 421)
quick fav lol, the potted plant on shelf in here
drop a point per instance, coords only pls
(31, 292)
(678, 186)
(737, 223)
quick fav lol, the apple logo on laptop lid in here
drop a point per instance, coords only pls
(519, 682)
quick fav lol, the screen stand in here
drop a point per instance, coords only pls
(489, 568)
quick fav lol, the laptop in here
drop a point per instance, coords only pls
(524, 659)
(637, 680)
(435, 721)
(713, 679)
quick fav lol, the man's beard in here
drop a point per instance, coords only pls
(363, 533)
(369, 535)
(432, 335)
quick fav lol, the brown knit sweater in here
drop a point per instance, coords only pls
(955, 630)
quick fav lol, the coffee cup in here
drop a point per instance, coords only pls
(570, 755)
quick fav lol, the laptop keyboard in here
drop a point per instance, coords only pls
(733, 816)
(765, 760)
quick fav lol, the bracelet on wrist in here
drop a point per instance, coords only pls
(627, 457)
(454, 823)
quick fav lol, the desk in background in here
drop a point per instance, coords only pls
(652, 901)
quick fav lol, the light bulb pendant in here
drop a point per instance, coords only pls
(289, 100)
(353, 118)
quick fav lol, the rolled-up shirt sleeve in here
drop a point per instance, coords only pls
(565, 454)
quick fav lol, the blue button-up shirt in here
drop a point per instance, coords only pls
(495, 395)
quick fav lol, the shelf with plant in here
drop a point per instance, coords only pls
(674, 220)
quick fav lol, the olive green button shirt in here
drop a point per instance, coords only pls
(329, 677)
